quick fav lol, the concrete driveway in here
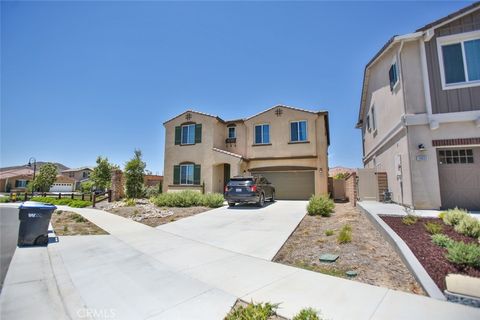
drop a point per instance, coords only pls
(247, 229)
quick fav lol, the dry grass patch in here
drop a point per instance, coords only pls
(66, 223)
(368, 253)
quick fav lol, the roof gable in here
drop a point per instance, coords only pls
(197, 112)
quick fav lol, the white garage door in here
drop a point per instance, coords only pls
(61, 187)
(291, 185)
(459, 173)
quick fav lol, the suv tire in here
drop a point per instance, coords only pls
(261, 201)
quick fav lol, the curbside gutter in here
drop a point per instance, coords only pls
(406, 254)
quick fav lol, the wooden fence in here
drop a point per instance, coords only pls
(90, 196)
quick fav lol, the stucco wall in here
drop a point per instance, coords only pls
(385, 162)
(425, 172)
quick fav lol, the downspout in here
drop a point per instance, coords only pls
(404, 96)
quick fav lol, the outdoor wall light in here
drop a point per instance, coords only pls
(421, 147)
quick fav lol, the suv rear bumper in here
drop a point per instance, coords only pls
(242, 199)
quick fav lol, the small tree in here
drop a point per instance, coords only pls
(45, 178)
(341, 175)
(134, 172)
(102, 173)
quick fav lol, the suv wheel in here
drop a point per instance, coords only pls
(272, 199)
(261, 201)
(231, 204)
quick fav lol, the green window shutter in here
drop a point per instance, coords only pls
(196, 174)
(176, 174)
(198, 133)
(178, 135)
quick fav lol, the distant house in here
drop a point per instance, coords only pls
(78, 174)
(17, 180)
(420, 113)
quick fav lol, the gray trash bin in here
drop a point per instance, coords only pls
(34, 220)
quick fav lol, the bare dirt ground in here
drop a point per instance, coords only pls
(147, 213)
(66, 223)
(369, 254)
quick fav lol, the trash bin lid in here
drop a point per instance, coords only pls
(37, 205)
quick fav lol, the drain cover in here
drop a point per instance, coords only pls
(328, 257)
(351, 273)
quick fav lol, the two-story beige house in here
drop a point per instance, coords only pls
(288, 146)
(420, 113)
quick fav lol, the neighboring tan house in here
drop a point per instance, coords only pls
(78, 174)
(420, 113)
(286, 145)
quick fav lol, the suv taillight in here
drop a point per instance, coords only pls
(253, 188)
(226, 188)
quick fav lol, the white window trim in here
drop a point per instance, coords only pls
(261, 133)
(456, 38)
(193, 174)
(181, 135)
(397, 83)
(234, 132)
(298, 130)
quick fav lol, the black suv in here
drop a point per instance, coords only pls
(249, 190)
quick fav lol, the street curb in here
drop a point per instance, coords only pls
(406, 255)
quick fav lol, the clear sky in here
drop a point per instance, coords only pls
(80, 80)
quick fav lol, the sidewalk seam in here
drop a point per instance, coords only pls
(379, 303)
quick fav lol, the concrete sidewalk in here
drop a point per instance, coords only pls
(380, 208)
(139, 272)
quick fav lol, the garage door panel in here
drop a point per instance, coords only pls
(459, 176)
(292, 185)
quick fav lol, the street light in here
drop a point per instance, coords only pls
(34, 161)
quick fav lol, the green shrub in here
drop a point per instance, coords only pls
(63, 202)
(129, 202)
(453, 216)
(442, 240)
(307, 314)
(467, 254)
(253, 311)
(320, 205)
(4, 199)
(329, 232)
(441, 215)
(213, 200)
(409, 219)
(468, 226)
(188, 198)
(433, 228)
(86, 186)
(345, 234)
(152, 191)
(79, 203)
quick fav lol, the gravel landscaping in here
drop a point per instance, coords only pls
(147, 213)
(368, 253)
(66, 223)
(430, 255)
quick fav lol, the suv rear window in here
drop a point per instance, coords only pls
(240, 181)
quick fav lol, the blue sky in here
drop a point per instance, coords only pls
(99, 78)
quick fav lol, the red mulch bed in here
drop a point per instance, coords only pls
(431, 256)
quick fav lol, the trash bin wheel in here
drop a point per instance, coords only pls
(41, 240)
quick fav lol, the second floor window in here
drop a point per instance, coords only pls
(461, 62)
(188, 134)
(393, 75)
(186, 174)
(374, 122)
(231, 133)
(298, 131)
(262, 134)
(86, 174)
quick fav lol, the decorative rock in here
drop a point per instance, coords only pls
(328, 257)
(351, 273)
